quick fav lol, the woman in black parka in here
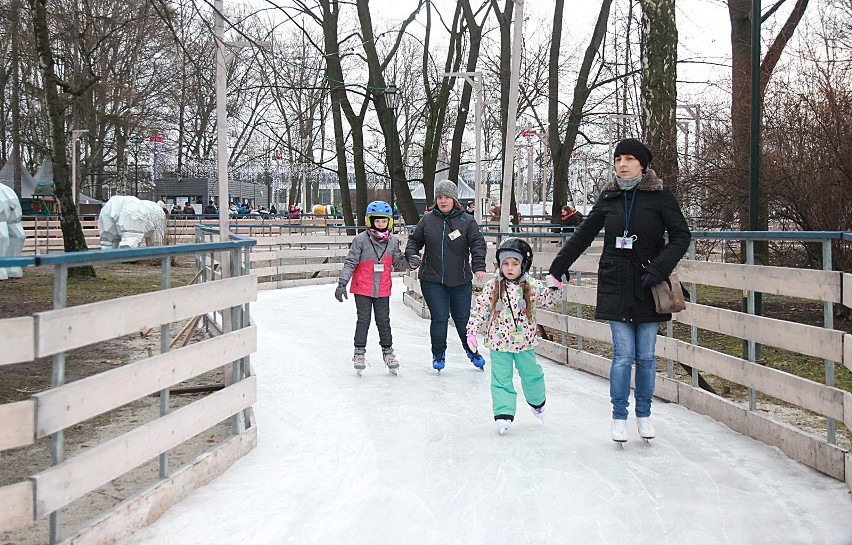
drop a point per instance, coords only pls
(635, 210)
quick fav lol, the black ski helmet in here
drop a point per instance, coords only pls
(520, 246)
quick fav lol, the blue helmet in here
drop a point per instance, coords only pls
(379, 209)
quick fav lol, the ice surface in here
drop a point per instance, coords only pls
(416, 458)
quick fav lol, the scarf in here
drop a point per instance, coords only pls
(626, 184)
(380, 236)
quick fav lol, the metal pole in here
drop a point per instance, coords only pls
(57, 440)
(477, 173)
(509, 144)
(828, 323)
(136, 175)
(530, 178)
(754, 189)
(390, 151)
(221, 126)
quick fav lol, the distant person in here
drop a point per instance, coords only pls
(505, 312)
(188, 210)
(294, 213)
(272, 210)
(470, 208)
(210, 209)
(454, 253)
(635, 210)
(373, 255)
(570, 219)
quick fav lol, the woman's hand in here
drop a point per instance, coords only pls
(480, 275)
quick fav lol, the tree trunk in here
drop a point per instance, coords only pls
(376, 91)
(562, 148)
(475, 34)
(15, 16)
(659, 87)
(72, 231)
(437, 100)
(739, 12)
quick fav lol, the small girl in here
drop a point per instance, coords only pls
(506, 311)
(372, 256)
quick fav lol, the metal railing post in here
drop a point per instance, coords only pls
(165, 340)
(752, 349)
(57, 440)
(828, 323)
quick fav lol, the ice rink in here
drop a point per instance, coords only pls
(415, 459)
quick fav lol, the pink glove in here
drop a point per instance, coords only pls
(472, 342)
(553, 282)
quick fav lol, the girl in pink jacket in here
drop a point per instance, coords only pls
(373, 255)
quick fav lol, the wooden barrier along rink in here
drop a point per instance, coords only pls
(47, 414)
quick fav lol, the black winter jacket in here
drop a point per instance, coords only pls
(655, 211)
(453, 244)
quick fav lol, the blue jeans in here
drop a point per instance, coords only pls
(442, 301)
(632, 342)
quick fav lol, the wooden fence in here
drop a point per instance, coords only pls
(826, 343)
(44, 235)
(49, 413)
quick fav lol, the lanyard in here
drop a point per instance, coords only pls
(628, 212)
(379, 257)
(511, 311)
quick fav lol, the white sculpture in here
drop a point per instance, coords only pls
(127, 222)
(11, 230)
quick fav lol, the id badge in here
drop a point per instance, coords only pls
(624, 243)
(378, 267)
(454, 235)
(517, 335)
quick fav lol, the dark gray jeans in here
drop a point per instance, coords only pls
(381, 307)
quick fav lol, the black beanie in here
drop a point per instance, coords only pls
(631, 146)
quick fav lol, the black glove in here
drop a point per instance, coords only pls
(414, 261)
(649, 279)
(340, 292)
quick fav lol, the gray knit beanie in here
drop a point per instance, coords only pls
(447, 188)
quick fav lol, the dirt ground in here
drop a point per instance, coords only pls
(31, 294)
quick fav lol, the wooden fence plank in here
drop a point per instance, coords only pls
(799, 391)
(73, 327)
(803, 339)
(847, 351)
(847, 290)
(847, 409)
(310, 268)
(62, 407)
(805, 283)
(17, 502)
(580, 294)
(17, 340)
(61, 484)
(150, 504)
(17, 424)
(589, 329)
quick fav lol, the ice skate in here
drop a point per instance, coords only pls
(438, 361)
(503, 425)
(476, 359)
(619, 432)
(360, 360)
(390, 360)
(646, 429)
(538, 412)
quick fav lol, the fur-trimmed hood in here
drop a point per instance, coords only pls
(650, 182)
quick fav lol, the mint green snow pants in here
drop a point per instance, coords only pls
(503, 394)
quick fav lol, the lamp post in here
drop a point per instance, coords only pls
(136, 140)
(390, 101)
(75, 135)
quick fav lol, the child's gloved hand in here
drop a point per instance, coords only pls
(472, 343)
(340, 292)
(553, 282)
(414, 261)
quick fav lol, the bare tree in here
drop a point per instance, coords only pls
(659, 86)
(72, 231)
